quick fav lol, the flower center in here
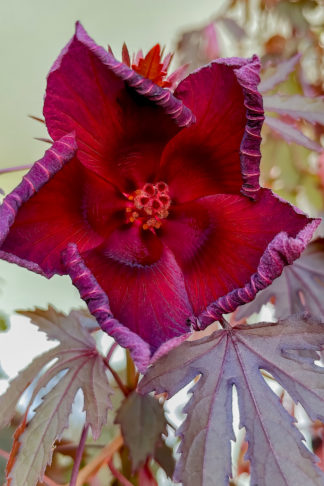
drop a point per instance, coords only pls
(149, 205)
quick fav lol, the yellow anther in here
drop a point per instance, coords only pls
(164, 213)
(149, 205)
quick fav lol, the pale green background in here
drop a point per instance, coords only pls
(32, 33)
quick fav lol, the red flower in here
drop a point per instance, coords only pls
(151, 198)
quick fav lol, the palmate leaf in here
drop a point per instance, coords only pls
(232, 27)
(299, 287)
(75, 363)
(142, 422)
(296, 106)
(291, 133)
(18, 385)
(281, 73)
(235, 356)
(163, 455)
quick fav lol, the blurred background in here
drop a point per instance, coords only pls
(288, 36)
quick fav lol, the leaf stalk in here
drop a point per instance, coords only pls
(79, 454)
(98, 461)
(116, 377)
(118, 475)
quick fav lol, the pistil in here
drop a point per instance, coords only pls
(149, 205)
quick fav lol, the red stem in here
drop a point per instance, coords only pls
(111, 350)
(79, 454)
(118, 475)
(116, 376)
(225, 325)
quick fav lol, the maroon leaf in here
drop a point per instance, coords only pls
(75, 363)
(18, 385)
(235, 356)
(233, 28)
(163, 455)
(142, 422)
(300, 287)
(282, 72)
(291, 133)
(298, 107)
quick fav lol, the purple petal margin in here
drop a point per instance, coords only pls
(98, 304)
(145, 87)
(247, 74)
(282, 250)
(41, 172)
(166, 347)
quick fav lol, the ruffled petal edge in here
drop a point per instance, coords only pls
(247, 74)
(281, 251)
(98, 304)
(162, 97)
(61, 152)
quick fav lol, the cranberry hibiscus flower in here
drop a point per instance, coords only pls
(151, 198)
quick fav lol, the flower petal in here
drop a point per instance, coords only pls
(98, 303)
(221, 151)
(103, 206)
(54, 214)
(122, 120)
(230, 242)
(144, 284)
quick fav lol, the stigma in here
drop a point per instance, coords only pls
(149, 205)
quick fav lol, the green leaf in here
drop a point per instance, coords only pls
(4, 322)
(142, 422)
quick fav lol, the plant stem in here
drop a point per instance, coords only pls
(117, 378)
(98, 461)
(225, 325)
(118, 475)
(79, 454)
(15, 169)
(111, 350)
(131, 373)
